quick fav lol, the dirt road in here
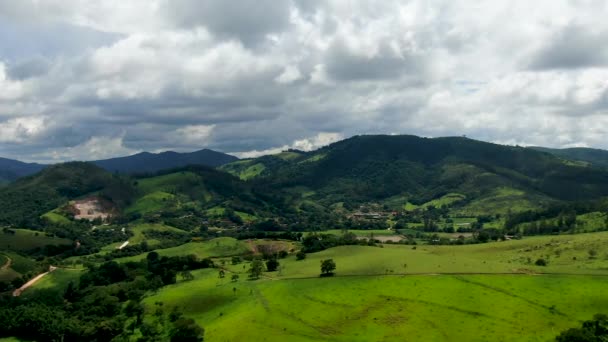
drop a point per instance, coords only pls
(8, 263)
(33, 281)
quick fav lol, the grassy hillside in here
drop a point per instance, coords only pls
(24, 240)
(427, 293)
(422, 170)
(580, 155)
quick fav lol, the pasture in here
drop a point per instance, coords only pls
(56, 281)
(374, 308)
(219, 247)
(485, 292)
(23, 240)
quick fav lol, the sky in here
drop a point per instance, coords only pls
(85, 80)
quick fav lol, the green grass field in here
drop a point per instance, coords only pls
(24, 239)
(502, 200)
(56, 281)
(387, 308)
(55, 217)
(139, 229)
(153, 201)
(362, 233)
(485, 292)
(219, 247)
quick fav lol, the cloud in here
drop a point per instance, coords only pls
(307, 144)
(260, 76)
(249, 21)
(18, 130)
(573, 47)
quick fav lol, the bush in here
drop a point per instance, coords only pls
(541, 262)
(300, 255)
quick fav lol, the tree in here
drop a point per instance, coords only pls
(591, 331)
(256, 268)
(222, 273)
(187, 275)
(327, 267)
(272, 265)
(300, 255)
(186, 330)
(235, 278)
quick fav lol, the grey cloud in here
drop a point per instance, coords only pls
(345, 65)
(246, 20)
(36, 66)
(573, 47)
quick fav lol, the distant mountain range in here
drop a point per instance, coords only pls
(469, 177)
(13, 169)
(146, 162)
(140, 163)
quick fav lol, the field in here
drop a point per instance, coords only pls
(485, 292)
(220, 247)
(19, 265)
(151, 202)
(24, 239)
(55, 217)
(56, 281)
(421, 308)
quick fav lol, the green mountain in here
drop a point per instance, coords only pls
(583, 155)
(13, 169)
(146, 162)
(402, 169)
(23, 201)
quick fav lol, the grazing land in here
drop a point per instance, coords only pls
(427, 293)
(23, 239)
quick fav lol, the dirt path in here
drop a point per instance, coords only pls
(8, 263)
(33, 281)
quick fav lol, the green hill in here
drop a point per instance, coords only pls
(25, 200)
(581, 155)
(374, 168)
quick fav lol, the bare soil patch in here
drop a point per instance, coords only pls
(91, 208)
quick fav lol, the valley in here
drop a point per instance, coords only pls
(430, 239)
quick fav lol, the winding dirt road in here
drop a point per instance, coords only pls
(8, 263)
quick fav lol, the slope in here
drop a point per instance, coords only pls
(374, 168)
(10, 169)
(583, 155)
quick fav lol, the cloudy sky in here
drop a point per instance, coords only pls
(87, 80)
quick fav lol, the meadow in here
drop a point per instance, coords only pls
(485, 292)
(23, 240)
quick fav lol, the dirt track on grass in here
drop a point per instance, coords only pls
(8, 263)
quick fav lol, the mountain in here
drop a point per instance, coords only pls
(146, 162)
(396, 170)
(591, 156)
(13, 169)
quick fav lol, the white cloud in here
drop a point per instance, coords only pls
(18, 130)
(263, 76)
(308, 144)
(97, 147)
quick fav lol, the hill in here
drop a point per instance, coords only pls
(590, 156)
(146, 162)
(23, 201)
(403, 169)
(13, 169)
